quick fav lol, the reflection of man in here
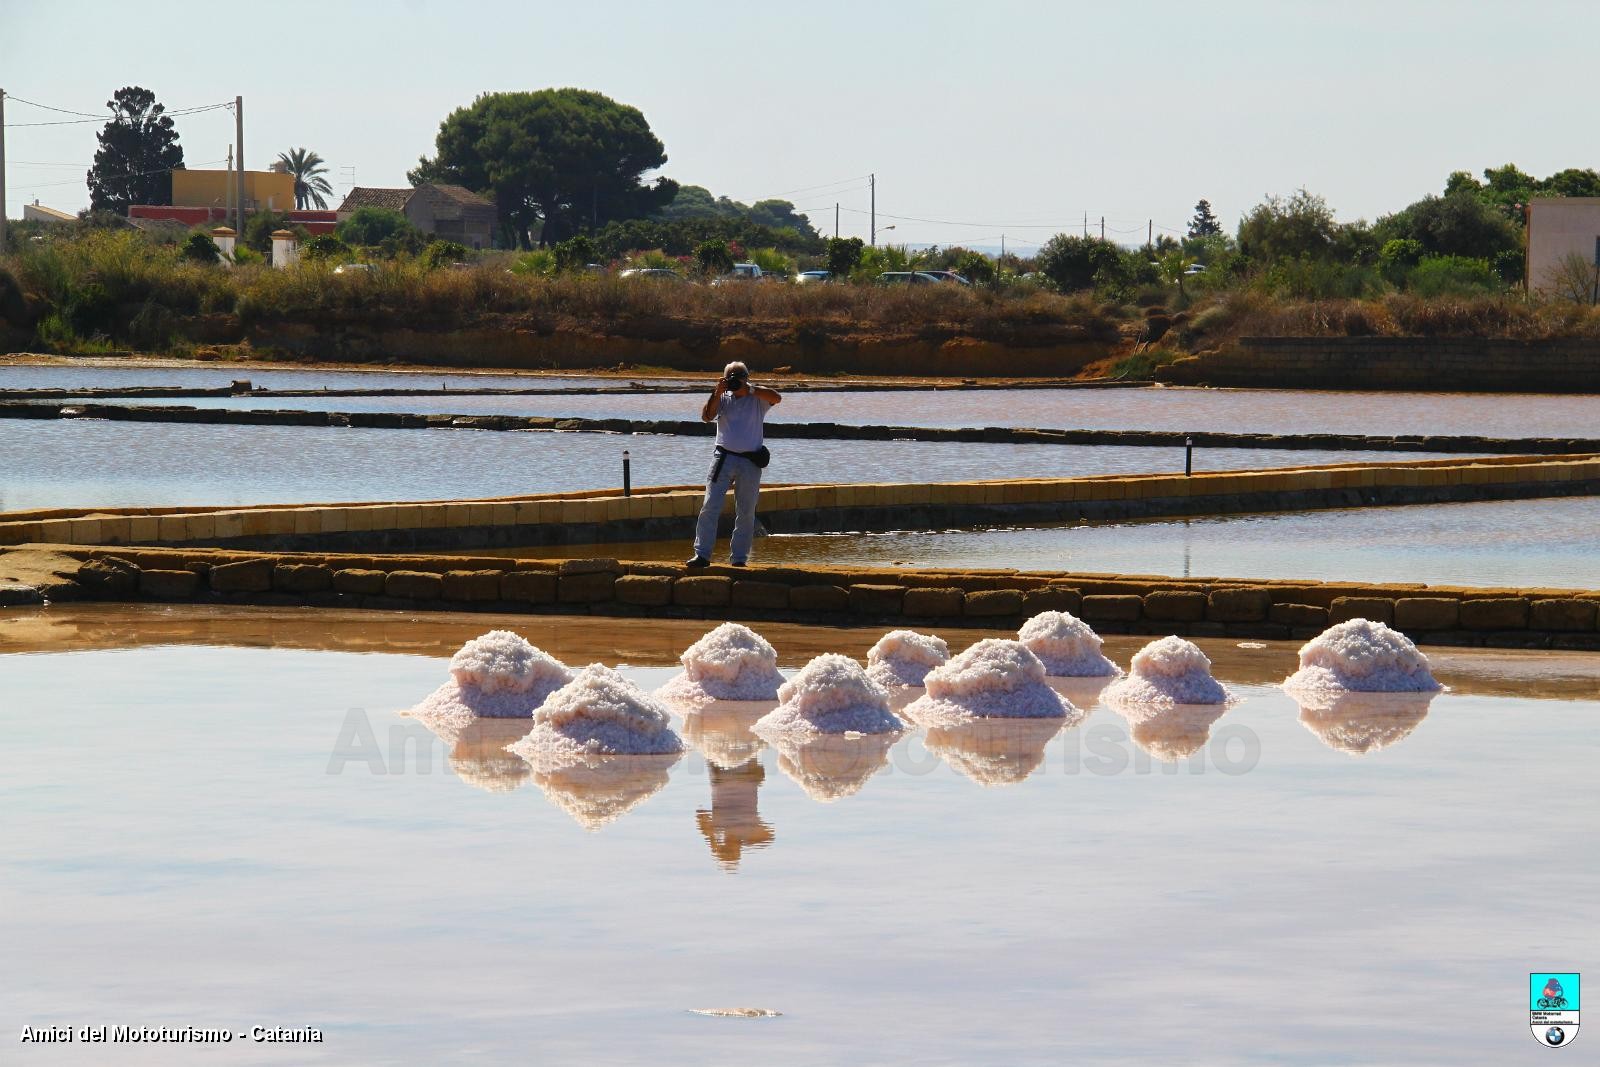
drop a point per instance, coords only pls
(738, 408)
(733, 823)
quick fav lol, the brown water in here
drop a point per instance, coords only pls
(192, 839)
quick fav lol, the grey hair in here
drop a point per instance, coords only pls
(736, 366)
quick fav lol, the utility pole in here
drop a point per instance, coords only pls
(1150, 233)
(1086, 224)
(238, 175)
(1002, 246)
(1102, 227)
(872, 184)
(836, 220)
(2, 170)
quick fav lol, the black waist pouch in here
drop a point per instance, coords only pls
(760, 457)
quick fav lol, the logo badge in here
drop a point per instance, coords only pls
(1553, 1001)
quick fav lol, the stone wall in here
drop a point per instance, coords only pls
(1397, 363)
(996, 599)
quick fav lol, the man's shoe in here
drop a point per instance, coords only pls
(736, 563)
(696, 563)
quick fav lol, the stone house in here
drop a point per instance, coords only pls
(1563, 234)
(449, 212)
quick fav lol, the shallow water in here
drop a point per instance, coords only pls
(1448, 544)
(1176, 409)
(179, 852)
(91, 463)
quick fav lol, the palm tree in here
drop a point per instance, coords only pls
(308, 169)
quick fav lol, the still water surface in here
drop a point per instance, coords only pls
(90, 463)
(1238, 410)
(181, 849)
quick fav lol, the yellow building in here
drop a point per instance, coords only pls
(263, 190)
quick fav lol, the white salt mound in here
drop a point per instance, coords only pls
(1361, 656)
(904, 658)
(496, 676)
(991, 679)
(830, 695)
(1066, 645)
(598, 713)
(1166, 672)
(732, 662)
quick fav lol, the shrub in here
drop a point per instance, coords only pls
(443, 253)
(1452, 276)
(1077, 263)
(575, 253)
(200, 248)
(771, 261)
(325, 246)
(713, 257)
(372, 226)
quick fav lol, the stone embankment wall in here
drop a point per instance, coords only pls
(1516, 618)
(668, 512)
(396, 420)
(1429, 364)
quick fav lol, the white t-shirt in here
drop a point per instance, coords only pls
(739, 418)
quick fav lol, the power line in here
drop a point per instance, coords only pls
(131, 174)
(47, 107)
(179, 113)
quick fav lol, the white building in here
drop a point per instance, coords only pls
(1559, 229)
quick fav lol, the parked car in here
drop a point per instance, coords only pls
(947, 276)
(660, 274)
(354, 268)
(741, 272)
(908, 277)
(808, 277)
(1195, 268)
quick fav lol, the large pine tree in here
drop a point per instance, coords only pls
(138, 152)
(1204, 223)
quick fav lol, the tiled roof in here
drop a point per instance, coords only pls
(389, 199)
(461, 195)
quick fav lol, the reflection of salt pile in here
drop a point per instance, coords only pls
(721, 730)
(1175, 731)
(994, 751)
(832, 766)
(1361, 657)
(1066, 645)
(498, 675)
(904, 657)
(1166, 672)
(478, 753)
(598, 713)
(1362, 723)
(830, 695)
(732, 662)
(600, 789)
(992, 679)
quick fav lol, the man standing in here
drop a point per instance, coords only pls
(738, 409)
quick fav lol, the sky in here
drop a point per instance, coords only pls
(977, 118)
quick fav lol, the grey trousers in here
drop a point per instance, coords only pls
(745, 478)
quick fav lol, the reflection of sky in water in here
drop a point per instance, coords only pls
(176, 852)
(1240, 410)
(90, 463)
(1441, 544)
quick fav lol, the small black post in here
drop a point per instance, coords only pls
(1188, 456)
(627, 474)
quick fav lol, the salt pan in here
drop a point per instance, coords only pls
(829, 767)
(830, 695)
(599, 712)
(1067, 646)
(1165, 672)
(1361, 723)
(994, 752)
(1360, 656)
(597, 790)
(478, 753)
(1175, 731)
(904, 658)
(732, 662)
(991, 679)
(721, 730)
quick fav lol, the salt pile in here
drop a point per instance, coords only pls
(1166, 672)
(829, 767)
(1066, 645)
(904, 658)
(994, 752)
(732, 662)
(991, 679)
(596, 790)
(830, 695)
(498, 676)
(1174, 731)
(598, 713)
(1360, 656)
(1361, 723)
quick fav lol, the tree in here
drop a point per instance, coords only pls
(1571, 182)
(138, 152)
(844, 253)
(371, 226)
(1204, 223)
(713, 257)
(200, 248)
(1460, 224)
(558, 160)
(1074, 263)
(1278, 229)
(307, 168)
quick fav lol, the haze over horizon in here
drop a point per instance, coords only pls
(1009, 118)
